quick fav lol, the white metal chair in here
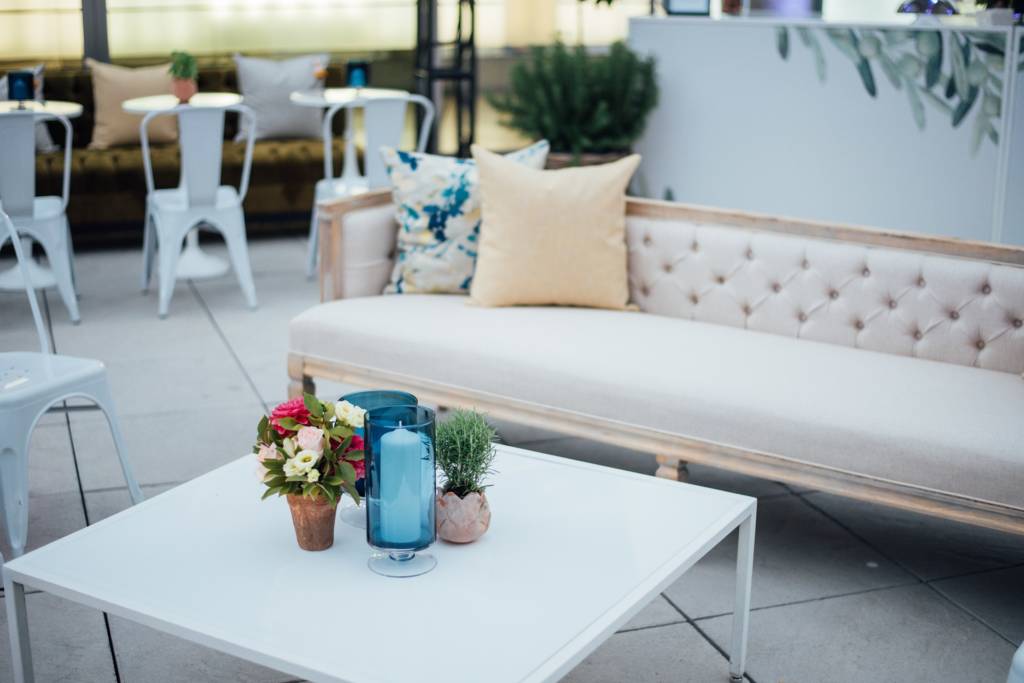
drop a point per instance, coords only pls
(29, 384)
(199, 202)
(42, 219)
(383, 125)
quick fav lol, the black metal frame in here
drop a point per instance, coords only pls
(449, 63)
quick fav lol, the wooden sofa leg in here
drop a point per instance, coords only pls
(300, 382)
(672, 468)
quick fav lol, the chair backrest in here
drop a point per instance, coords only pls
(7, 231)
(201, 135)
(383, 125)
(18, 161)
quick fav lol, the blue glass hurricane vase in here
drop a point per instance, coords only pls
(355, 515)
(400, 489)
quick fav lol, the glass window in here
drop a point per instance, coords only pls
(34, 30)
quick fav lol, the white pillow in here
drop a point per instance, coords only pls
(437, 200)
(44, 143)
(266, 85)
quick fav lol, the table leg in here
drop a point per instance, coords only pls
(741, 615)
(17, 628)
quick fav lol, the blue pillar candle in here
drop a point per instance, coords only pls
(400, 478)
(371, 400)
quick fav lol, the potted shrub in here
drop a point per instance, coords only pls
(591, 108)
(184, 71)
(309, 452)
(464, 451)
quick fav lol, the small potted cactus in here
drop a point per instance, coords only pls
(464, 449)
(184, 71)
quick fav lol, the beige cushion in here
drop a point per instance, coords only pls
(936, 425)
(112, 85)
(552, 237)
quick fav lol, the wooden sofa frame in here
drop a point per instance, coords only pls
(673, 452)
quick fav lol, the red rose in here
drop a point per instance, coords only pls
(295, 409)
(359, 465)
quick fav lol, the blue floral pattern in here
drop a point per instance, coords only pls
(438, 212)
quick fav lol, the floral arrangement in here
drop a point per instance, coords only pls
(308, 447)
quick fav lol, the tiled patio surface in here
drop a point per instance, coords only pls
(843, 591)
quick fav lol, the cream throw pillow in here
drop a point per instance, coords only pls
(112, 85)
(552, 237)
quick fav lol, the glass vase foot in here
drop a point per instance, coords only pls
(354, 515)
(401, 563)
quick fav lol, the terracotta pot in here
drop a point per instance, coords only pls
(565, 159)
(184, 89)
(462, 520)
(314, 521)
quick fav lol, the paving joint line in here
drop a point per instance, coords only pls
(705, 636)
(920, 579)
(227, 344)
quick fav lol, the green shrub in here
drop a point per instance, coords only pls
(465, 451)
(184, 66)
(580, 103)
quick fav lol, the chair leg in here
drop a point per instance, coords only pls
(313, 251)
(71, 254)
(148, 250)
(672, 468)
(100, 393)
(238, 251)
(14, 484)
(59, 256)
(168, 252)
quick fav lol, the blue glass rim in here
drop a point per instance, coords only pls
(380, 398)
(388, 417)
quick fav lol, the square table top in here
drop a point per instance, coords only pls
(573, 552)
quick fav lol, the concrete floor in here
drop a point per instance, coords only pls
(843, 591)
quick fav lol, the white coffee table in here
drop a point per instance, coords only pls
(573, 552)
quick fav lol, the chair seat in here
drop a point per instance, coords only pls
(175, 199)
(337, 188)
(936, 425)
(26, 376)
(43, 208)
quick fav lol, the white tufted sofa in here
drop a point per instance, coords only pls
(881, 366)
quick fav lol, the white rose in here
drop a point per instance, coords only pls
(306, 460)
(313, 476)
(293, 469)
(353, 415)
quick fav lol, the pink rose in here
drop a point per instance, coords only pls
(311, 439)
(295, 409)
(267, 452)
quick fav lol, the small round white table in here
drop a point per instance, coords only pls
(328, 97)
(194, 263)
(42, 277)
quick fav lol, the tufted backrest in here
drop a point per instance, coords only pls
(967, 311)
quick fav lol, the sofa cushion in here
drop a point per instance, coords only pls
(267, 84)
(937, 425)
(112, 85)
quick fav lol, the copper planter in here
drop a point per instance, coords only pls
(314, 521)
(462, 520)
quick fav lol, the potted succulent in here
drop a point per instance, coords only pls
(591, 108)
(184, 71)
(309, 452)
(464, 449)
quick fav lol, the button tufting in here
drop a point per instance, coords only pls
(694, 299)
(776, 287)
(892, 303)
(833, 294)
(647, 240)
(918, 335)
(694, 246)
(955, 315)
(986, 289)
(747, 309)
(980, 344)
(667, 267)
(645, 290)
(1018, 323)
(921, 282)
(805, 264)
(859, 324)
(720, 279)
(802, 317)
(750, 254)
(865, 272)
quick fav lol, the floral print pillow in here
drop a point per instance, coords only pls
(438, 210)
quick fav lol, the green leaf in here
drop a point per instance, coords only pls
(347, 472)
(288, 423)
(782, 41)
(964, 106)
(916, 106)
(275, 481)
(355, 456)
(933, 68)
(334, 480)
(263, 426)
(958, 60)
(313, 405)
(867, 77)
(950, 89)
(890, 71)
(350, 489)
(981, 126)
(269, 492)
